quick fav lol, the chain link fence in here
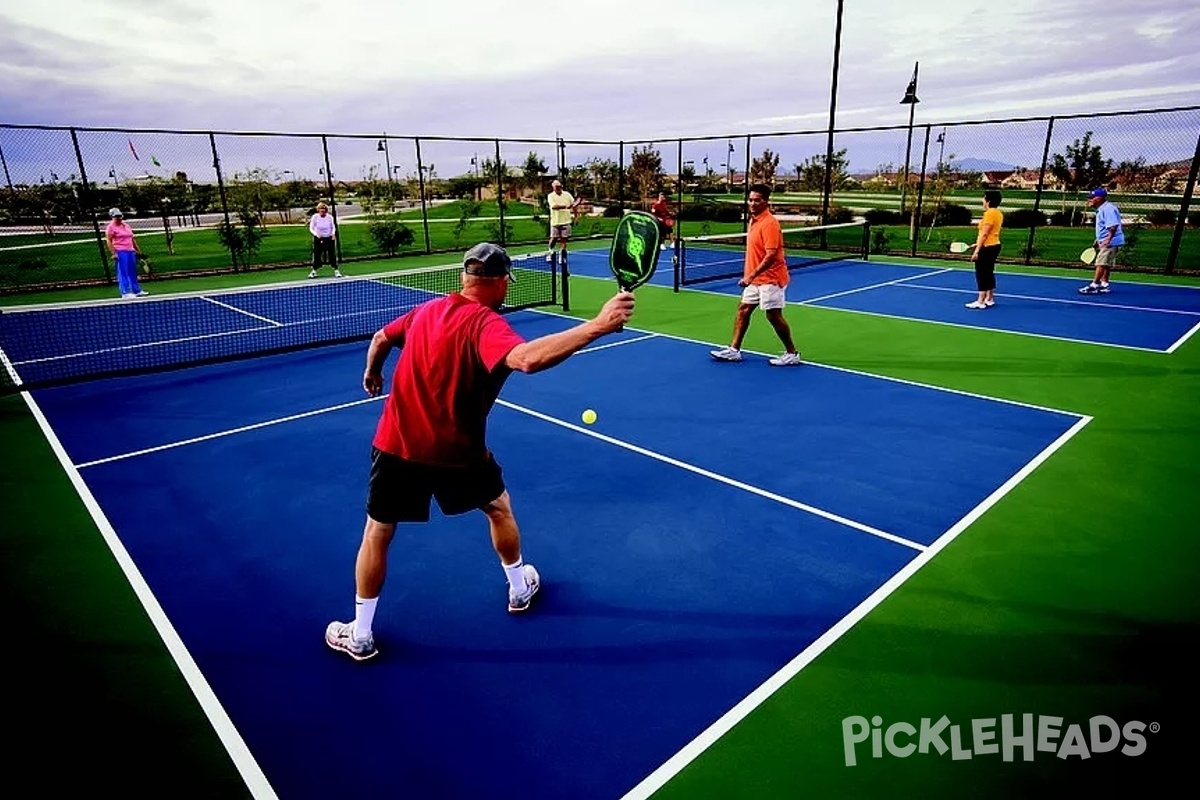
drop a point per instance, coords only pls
(213, 202)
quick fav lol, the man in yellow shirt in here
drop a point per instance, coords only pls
(561, 203)
(987, 250)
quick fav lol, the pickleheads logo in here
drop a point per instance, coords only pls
(980, 737)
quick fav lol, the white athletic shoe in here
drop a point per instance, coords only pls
(340, 636)
(518, 603)
(726, 354)
(786, 360)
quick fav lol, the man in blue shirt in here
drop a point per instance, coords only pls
(1110, 237)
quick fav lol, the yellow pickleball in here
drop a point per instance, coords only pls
(589, 416)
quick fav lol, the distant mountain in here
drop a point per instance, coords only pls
(980, 165)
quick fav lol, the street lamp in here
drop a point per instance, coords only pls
(910, 99)
(387, 156)
(729, 170)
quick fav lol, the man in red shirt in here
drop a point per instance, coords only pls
(455, 354)
(661, 209)
(765, 281)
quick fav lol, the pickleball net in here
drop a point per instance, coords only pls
(723, 256)
(53, 344)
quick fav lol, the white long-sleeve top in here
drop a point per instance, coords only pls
(322, 226)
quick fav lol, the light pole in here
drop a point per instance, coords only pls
(910, 99)
(475, 169)
(837, 48)
(729, 169)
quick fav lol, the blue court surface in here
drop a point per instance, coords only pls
(704, 532)
(1140, 316)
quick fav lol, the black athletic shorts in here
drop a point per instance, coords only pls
(400, 491)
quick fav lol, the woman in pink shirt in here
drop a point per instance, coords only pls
(125, 253)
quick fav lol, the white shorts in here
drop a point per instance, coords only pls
(560, 232)
(766, 296)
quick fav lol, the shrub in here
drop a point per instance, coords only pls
(880, 241)
(1193, 218)
(1162, 216)
(883, 216)
(839, 214)
(1024, 218)
(1066, 219)
(952, 214)
(390, 235)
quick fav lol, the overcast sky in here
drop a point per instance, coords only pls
(583, 70)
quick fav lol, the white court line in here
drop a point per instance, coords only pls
(674, 765)
(619, 443)
(819, 365)
(256, 780)
(674, 462)
(926, 321)
(621, 343)
(1059, 300)
(872, 286)
(242, 311)
(230, 432)
(1179, 342)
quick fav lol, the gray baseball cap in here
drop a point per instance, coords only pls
(115, 212)
(488, 260)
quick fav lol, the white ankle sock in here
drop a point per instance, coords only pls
(364, 617)
(516, 576)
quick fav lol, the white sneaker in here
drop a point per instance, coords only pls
(340, 636)
(128, 296)
(549, 257)
(312, 274)
(975, 304)
(141, 293)
(518, 603)
(726, 354)
(337, 273)
(989, 303)
(786, 360)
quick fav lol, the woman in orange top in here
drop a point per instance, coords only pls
(987, 250)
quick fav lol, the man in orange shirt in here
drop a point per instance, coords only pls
(765, 281)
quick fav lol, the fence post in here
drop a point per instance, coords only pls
(1173, 253)
(421, 189)
(746, 190)
(337, 240)
(500, 200)
(1037, 197)
(88, 204)
(621, 178)
(212, 143)
(913, 225)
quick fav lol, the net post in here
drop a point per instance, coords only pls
(866, 240)
(565, 272)
(677, 258)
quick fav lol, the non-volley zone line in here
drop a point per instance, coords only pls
(665, 459)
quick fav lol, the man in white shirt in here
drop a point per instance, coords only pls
(561, 204)
(324, 233)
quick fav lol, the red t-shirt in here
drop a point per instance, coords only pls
(448, 376)
(662, 210)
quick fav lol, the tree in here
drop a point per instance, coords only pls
(532, 171)
(762, 169)
(811, 172)
(1081, 166)
(645, 170)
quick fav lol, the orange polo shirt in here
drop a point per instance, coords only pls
(764, 235)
